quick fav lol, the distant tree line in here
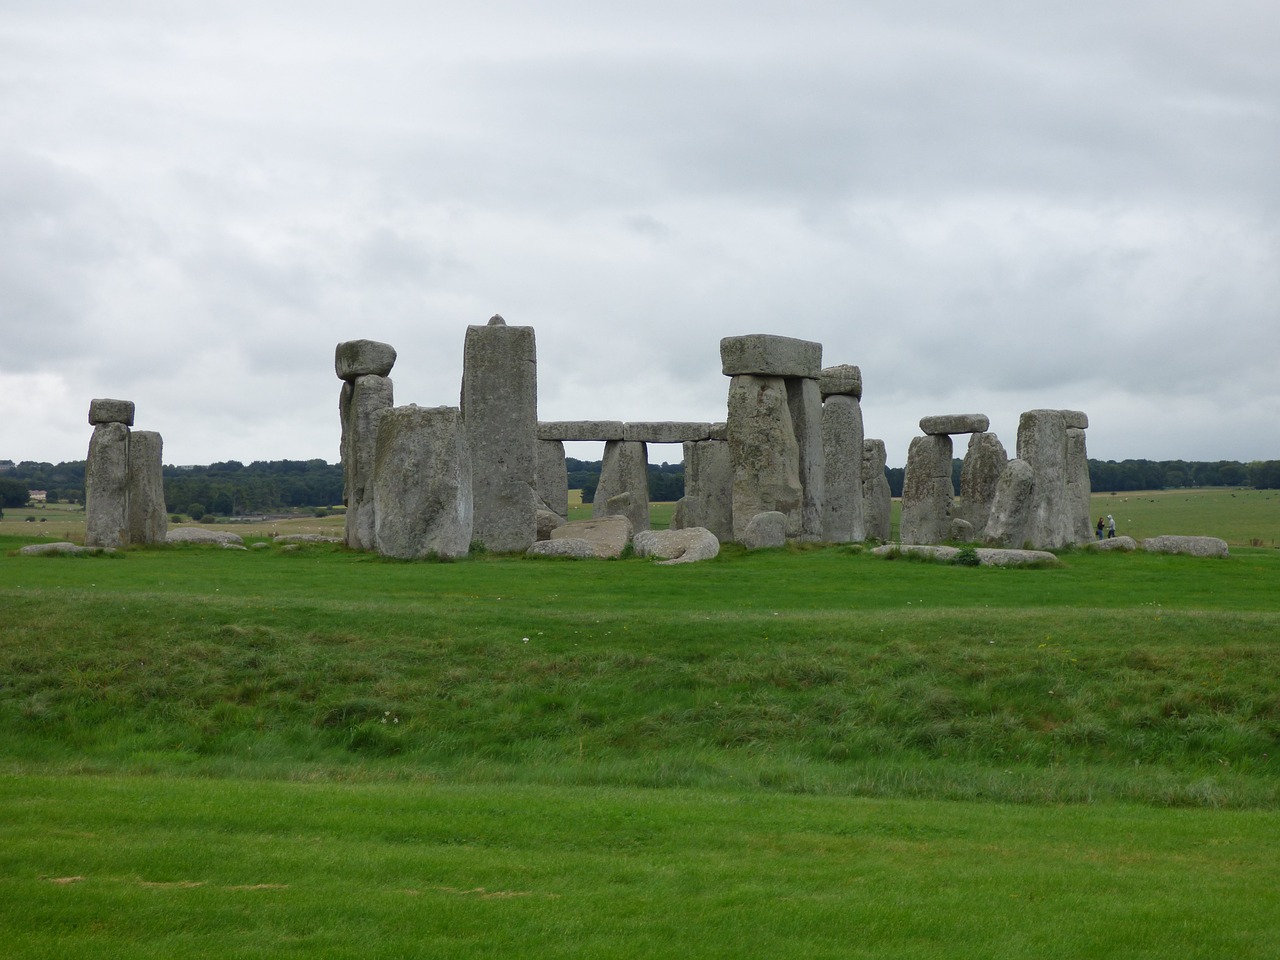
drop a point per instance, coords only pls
(265, 486)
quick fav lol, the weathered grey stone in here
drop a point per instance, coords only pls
(547, 521)
(719, 431)
(608, 536)
(304, 538)
(842, 454)
(677, 546)
(573, 547)
(987, 556)
(708, 489)
(359, 404)
(500, 409)
(1010, 518)
(497, 321)
(1076, 419)
(767, 529)
(1079, 487)
(936, 551)
(805, 403)
(44, 549)
(624, 469)
(877, 498)
(928, 498)
(110, 411)
(1042, 442)
(200, 535)
(1123, 544)
(619, 505)
(362, 358)
(148, 517)
(665, 431)
(422, 486)
(1193, 546)
(106, 486)
(984, 461)
(844, 379)
(960, 531)
(601, 430)
(955, 423)
(764, 355)
(762, 449)
(552, 480)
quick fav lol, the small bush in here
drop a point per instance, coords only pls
(967, 557)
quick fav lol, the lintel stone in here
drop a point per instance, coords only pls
(765, 355)
(841, 380)
(359, 358)
(658, 431)
(581, 430)
(111, 411)
(1076, 419)
(955, 423)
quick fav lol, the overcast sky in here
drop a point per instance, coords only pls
(989, 207)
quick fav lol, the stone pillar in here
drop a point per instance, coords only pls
(1079, 485)
(363, 366)
(708, 489)
(842, 437)
(422, 483)
(1032, 504)
(774, 429)
(106, 474)
(624, 470)
(552, 478)
(148, 517)
(877, 498)
(984, 462)
(928, 497)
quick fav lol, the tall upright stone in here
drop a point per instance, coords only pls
(363, 366)
(1079, 484)
(805, 402)
(984, 462)
(842, 438)
(624, 470)
(148, 517)
(106, 486)
(708, 489)
(1033, 505)
(422, 485)
(877, 498)
(552, 478)
(500, 409)
(928, 497)
(763, 450)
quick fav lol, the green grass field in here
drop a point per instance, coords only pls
(805, 752)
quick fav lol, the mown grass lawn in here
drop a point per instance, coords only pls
(804, 752)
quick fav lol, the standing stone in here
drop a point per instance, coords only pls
(805, 403)
(422, 483)
(877, 498)
(765, 530)
(106, 486)
(552, 478)
(984, 462)
(1009, 523)
(363, 397)
(842, 454)
(928, 497)
(762, 449)
(1042, 442)
(708, 489)
(148, 518)
(624, 470)
(500, 408)
(1079, 485)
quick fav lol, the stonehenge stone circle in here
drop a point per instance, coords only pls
(500, 410)
(422, 489)
(877, 498)
(1042, 496)
(928, 498)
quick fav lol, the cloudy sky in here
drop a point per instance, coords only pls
(988, 206)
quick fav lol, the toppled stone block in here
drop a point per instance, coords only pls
(360, 358)
(608, 536)
(1192, 546)
(987, 557)
(1123, 544)
(842, 380)
(574, 547)
(601, 430)
(200, 535)
(768, 529)
(46, 549)
(677, 546)
(955, 423)
(110, 411)
(765, 355)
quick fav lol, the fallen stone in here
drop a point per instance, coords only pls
(936, 551)
(765, 355)
(767, 529)
(110, 411)
(955, 423)
(608, 536)
(305, 538)
(575, 547)
(842, 380)
(200, 535)
(1192, 546)
(361, 358)
(987, 556)
(677, 546)
(44, 549)
(1123, 544)
(960, 531)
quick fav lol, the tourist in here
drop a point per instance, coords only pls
(1100, 526)
(1111, 526)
